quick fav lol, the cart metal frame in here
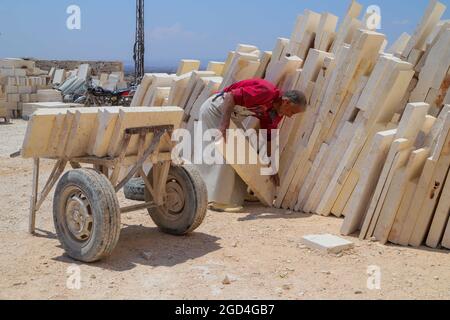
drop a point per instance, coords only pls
(111, 167)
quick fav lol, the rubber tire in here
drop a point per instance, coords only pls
(135, 190)
(105, 211)
(196, 202)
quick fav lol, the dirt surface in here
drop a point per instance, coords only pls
(259, 251)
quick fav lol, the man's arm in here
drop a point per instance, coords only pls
(275, 178)
(228, 108)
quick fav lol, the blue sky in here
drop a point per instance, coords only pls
(175, 29)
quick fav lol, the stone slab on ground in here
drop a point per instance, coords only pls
(327, 242)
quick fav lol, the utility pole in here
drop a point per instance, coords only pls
(139, 45)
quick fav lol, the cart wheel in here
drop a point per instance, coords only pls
(135, 190)
(185, 204)
(86, 214)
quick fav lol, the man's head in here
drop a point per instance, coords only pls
(293, 102)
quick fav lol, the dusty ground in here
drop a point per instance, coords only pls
(259, 251)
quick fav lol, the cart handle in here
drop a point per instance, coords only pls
(15, 154)
(152, 129)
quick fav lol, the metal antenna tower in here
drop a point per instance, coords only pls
(139, 46)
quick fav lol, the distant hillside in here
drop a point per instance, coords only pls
(129, 69)
(162, 67)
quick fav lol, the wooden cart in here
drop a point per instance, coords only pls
(86, 209)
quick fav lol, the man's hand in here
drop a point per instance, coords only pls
(276, 180)
(223, 129)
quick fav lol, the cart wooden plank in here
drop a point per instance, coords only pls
(261, 185)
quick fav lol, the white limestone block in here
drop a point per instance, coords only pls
(327, 243)
(83, 71)
(60, 76)
(187, 66)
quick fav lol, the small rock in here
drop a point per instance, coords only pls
(358, 292)
(290, 269)
(235, 244)
(19, 284)
(436, 278)
(326, 272)
(373, 239)
(93, 277)
(287, 287)
(226, 281)
(147, 255)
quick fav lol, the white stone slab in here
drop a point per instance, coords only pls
(83, 71)
(327, 243)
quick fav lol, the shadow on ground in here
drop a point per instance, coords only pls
(256, 212)
(165, 250)
(422, 248)
(45, 234)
